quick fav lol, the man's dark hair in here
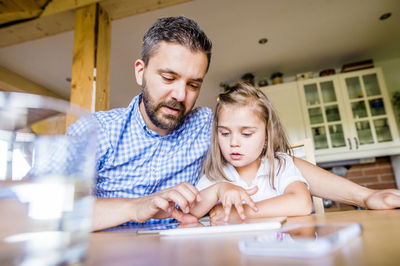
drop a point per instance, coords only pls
(179, 30)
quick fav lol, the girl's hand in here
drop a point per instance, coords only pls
(230, 194)
(217, 216)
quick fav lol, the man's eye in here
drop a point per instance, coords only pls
(167, 78)
(194, 86)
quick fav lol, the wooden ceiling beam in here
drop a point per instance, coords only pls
(27, 4)
(10, 81)
(58, 6)
(59, 16)
(118, 9)
(19, 15)
(37, 28)
(15, 10)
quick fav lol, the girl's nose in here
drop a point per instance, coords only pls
(235, 140)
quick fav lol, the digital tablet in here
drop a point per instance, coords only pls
(204, 227)
(301, 240)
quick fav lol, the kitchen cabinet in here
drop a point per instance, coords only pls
(349, 115)
(285, 98)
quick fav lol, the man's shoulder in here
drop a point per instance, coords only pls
(203, 110)
(200, 115)
(116, 117)
(113, 115)
(106, 121)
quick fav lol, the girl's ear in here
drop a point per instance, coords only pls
(139, 70)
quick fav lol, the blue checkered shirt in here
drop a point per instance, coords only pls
(134, 161)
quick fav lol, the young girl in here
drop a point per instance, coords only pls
(249, 162)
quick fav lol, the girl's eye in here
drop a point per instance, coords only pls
(224, 134)
(247, 134)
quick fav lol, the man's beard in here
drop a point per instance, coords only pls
(159, 119)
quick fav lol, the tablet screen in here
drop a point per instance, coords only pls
(204, 226)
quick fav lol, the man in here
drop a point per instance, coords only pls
(150, 153)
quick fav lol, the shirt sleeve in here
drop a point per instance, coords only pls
(204, 183)
(288, 174)
(84, 124)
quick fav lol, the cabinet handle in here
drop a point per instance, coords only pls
(356, 141)
(348, 140)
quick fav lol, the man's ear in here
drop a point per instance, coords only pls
(139, 69)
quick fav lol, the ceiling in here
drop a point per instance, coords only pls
(303, 35)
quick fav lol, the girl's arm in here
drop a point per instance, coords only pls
(295, 201)
(327, 185)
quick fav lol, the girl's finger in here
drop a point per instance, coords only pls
(239, 208)
(249, 202)
(227, 209)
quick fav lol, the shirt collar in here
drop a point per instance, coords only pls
(262, 172)
(263, 169)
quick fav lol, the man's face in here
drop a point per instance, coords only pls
(171, 83)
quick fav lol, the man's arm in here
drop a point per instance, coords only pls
(327, 185)
(109, 212)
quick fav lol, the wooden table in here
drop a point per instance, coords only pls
(378, 245)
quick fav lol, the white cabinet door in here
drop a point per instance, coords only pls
(349, 116)
(370, 117)
(285, 98)
(325, 114)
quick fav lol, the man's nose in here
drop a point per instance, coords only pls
(179, 91)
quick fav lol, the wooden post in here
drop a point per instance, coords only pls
(91, 56)
(103, 52)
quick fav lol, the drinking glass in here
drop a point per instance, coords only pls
(46, 181)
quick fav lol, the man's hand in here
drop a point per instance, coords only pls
(383, 199)
(230, 194)
(161, 204)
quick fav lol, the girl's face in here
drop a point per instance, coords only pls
(241, 136)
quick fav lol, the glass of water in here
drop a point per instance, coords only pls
(46, 181)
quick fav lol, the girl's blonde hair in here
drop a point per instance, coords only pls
(244, 94)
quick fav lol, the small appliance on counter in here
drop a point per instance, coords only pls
(357, 65)
(276, 78)
(327, 72)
